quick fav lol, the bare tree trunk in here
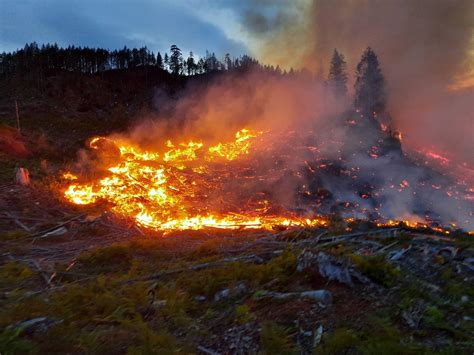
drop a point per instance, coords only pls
(17, 117)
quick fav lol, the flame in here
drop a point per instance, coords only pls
(233, 150)
(167, 192)
(194, 185)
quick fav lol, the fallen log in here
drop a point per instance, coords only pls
(323, 296)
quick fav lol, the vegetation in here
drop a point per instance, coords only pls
(337, 74)
(370, 94)
(38, 59)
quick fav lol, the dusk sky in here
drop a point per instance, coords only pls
(194, 25)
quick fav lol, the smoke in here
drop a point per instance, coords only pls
(214, 109)
(425, 47)
(315, 155)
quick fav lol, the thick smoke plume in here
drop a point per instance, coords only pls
(426, 49)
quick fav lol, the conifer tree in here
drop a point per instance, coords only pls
(337, 78)
(370, 96)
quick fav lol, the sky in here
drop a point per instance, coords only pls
(193, 25)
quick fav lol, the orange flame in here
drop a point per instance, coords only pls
(166, 192)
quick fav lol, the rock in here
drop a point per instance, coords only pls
(221, 295)
(323, 296)
(318, 336)
(240, 289)
(469, 262)
(414, 314)
(159, 303)
(448, 253)
(333, 270)
(305, 260)
(200, 298)
(35, 325)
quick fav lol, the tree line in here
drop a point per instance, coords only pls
(369, 97)
(96, 60)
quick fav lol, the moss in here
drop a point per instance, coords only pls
(434, 317)
(13, 235)
(178, 306)
(243, 314)
(379, 336)
(111, 258)
(14, 273)
(341, 340)
(377, 269)
(208, 282)
(12, 343)
(274, 340)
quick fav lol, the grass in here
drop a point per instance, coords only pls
(377, 269)
(274, 340)
(104, 314)
(378, 336)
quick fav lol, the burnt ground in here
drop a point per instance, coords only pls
(74, 280)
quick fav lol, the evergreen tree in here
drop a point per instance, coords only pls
(167, 61)
(176, 60)
(370, 93)
(228, 61)
(190, 64)
(337, 78)
(159, 61)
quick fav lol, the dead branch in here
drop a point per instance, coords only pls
(52, 229)
(207, 351)
(43, 273)
(18, 223)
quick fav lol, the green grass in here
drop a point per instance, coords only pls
(377, 269)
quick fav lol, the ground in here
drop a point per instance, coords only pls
(99, 284)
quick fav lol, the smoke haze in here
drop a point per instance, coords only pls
(425, 47)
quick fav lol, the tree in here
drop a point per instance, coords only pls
(191, 64)
(370, 85)
(228, 61)
(159, 61)
(167, 61)
(176, 60)
(337, 78)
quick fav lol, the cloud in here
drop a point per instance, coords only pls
(112, 24)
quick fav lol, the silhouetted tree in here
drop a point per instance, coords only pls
(176, 60)
(228, 61)
(370, 93)
(190, 64)
(337, 78)
(167, 61)
(35, 60)
(159, 61)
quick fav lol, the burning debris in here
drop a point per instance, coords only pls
(234, 185)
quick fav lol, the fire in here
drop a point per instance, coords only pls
(169, 190)
(231, 151)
